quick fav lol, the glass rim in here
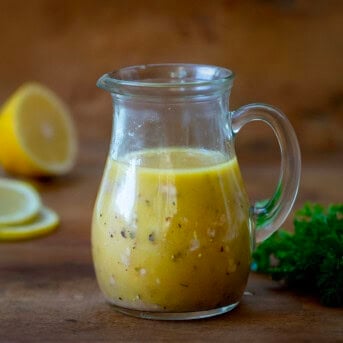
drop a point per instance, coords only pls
(220, 76)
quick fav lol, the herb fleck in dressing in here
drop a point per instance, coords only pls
(161, 251)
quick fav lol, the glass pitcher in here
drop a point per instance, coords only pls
(173, 230)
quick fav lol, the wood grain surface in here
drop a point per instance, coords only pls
(287, 53)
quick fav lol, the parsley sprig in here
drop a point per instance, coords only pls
(311, 258)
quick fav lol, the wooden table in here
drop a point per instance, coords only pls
(286, 53)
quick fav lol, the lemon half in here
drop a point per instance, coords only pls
(45, 222)
(37, 134)
(19, 202)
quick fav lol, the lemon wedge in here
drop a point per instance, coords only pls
(37, 134)
(19, 202)
(45, 222)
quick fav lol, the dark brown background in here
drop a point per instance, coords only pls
(286, 53)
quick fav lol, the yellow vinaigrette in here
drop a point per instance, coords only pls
(171, 231)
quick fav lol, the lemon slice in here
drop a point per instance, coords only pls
(37, 134)
(45, 222)
(19, 202)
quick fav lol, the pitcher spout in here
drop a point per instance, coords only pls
(103, 82)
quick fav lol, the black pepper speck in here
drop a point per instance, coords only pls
(152, 237)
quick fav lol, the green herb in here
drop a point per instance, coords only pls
(311, 259)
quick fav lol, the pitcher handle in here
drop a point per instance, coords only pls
(271, 214)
